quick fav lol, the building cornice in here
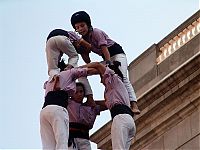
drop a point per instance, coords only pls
(156, 101)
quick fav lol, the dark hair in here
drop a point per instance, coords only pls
(81, 16)
(115, 66)
(62, 65)
(82, 85)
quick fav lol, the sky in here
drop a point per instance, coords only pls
(24, 26)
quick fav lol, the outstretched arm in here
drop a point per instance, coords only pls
(92, 71)
(100, 68)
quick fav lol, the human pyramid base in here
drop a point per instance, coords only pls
(65, 119)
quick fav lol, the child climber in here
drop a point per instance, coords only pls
(58, 42)
(102, 45)
(116, 100)
(81, 119)
(54, 119)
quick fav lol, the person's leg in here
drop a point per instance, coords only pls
(60, 125)
(52, 55)
(119, 132)
(123, 68)
(130, 124)
(72, 147)
(88, 90)
(46, 131)
(82, 144)
(67, 47)
(122, 131)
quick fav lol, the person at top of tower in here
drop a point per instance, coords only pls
(104, 46)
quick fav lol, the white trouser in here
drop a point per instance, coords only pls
(122, 131)
(58, 44)
(54, 46)
(123, 68)
(54, 127)
(80, 144)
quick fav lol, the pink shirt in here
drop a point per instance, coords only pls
(97, 38)
(80, 113)
(115, 90)
(67, 80)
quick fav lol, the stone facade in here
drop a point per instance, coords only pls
(166, 78)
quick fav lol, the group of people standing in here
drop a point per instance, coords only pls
(65, 119)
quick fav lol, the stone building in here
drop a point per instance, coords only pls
(166, 79)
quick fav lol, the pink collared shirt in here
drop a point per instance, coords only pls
(115, 90)
(98, 38)
(67, 80)
(79, 113)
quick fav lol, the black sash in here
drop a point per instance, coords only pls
(57, 32)
(77, 130)
(58, 97)
(114, 49)
(120, 109)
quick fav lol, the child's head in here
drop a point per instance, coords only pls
(80, 93)
(115, 66)
(81, 22)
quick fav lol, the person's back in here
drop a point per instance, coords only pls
(54, 119)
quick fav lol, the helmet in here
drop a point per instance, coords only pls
(80, 16)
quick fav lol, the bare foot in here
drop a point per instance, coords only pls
(135, 108)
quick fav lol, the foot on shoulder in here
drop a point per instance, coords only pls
(135, 108)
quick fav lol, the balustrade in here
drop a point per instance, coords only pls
(179, 40)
